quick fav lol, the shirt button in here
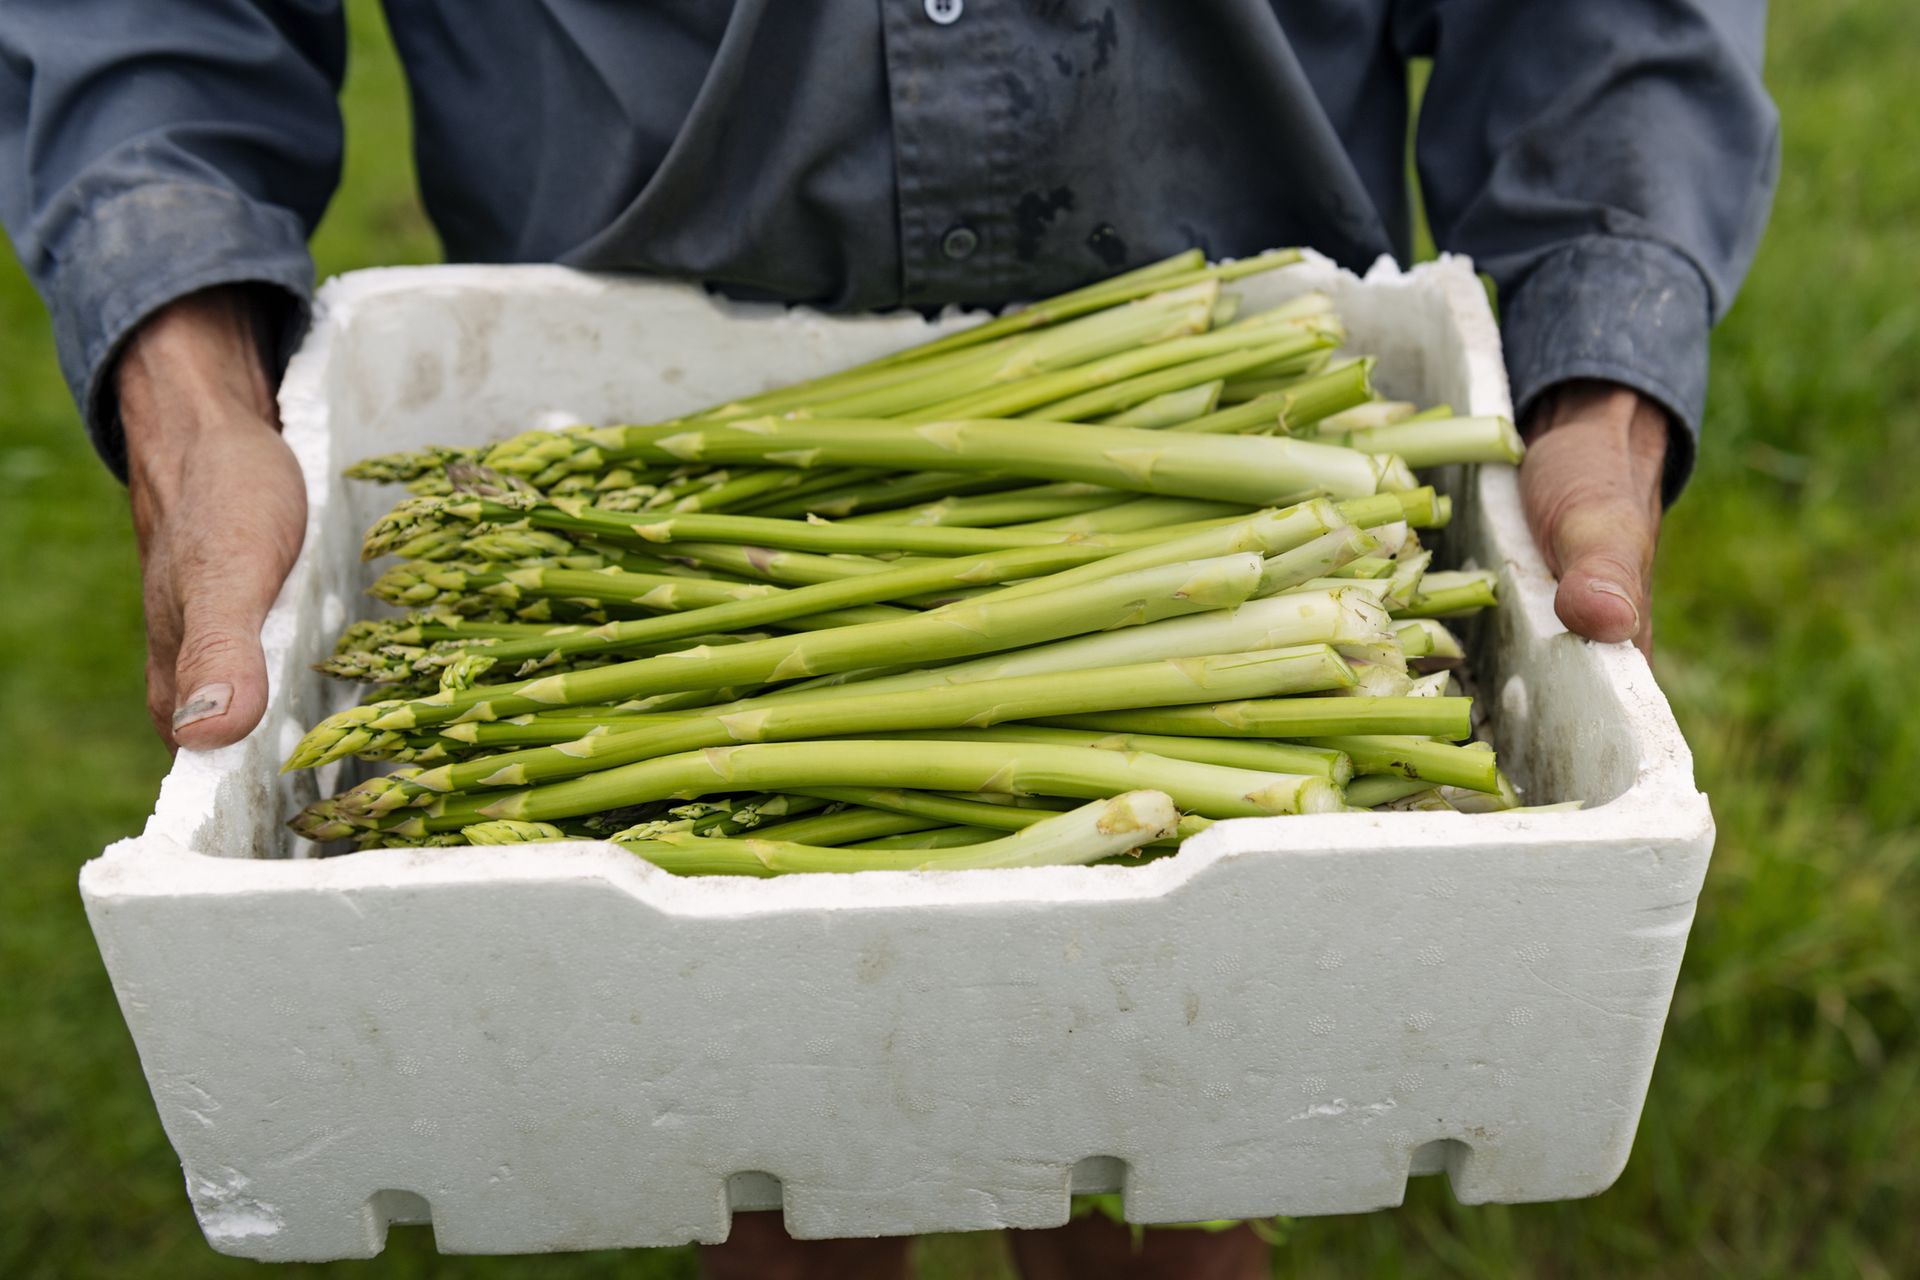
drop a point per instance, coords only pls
(945, 12)
(960, 241)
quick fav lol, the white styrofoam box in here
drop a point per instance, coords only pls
(560, 1047)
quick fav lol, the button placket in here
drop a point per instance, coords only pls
(947, 88)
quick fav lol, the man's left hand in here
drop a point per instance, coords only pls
(1591, 484)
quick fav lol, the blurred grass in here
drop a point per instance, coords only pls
(1782, 1136)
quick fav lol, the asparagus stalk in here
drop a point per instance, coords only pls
(845, 827)
(1251, 469)
(432, 626)
(1278, 379)
(1436, 443)
(811, 489)
(415, 582)
(1259, 414)
(1087, 834)
(891, 490)
(1413, 642)
(410, 464)
(1269, 757)
(961, 630)
(739, 489)
(1313, 398)
(798, 568)
(1138, 513)
(1439, 763)
(1374, 413)
(1436, 640)
(1288, 718)
(1299, 307)
(936, 808)
(1373, 588)
(1002, 813)
(1169, 409)
(1019, 506)
(1420, 507)
(532, 730)
(1378, 680)
(1451, 594)
(1365, 567)
(1285, 570)
(933, 838)
(1407, 572)
(1376, 789)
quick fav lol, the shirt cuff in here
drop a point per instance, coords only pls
(1621, 310)
(140, 249)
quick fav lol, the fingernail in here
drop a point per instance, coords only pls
(1615, 589)
(207, 701)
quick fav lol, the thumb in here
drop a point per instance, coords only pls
(1591, 486)
(227, 574)
(220, 676)
(1605, 553)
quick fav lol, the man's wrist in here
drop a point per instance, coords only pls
(1591, 400)
(191, 378)
(193, 372)
(1637, 425)
(197, 360)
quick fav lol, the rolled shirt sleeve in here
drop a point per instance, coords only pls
(1610, 165)
(149, 151)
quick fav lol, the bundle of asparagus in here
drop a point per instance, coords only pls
(1062, 587)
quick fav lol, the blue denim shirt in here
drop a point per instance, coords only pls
(1608, 162)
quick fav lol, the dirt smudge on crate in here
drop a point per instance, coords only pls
(426, 377)
(876, 960)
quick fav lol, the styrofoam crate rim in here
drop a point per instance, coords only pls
(157, 865)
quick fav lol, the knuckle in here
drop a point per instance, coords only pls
(212, 648)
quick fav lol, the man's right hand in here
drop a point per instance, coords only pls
(219, 508)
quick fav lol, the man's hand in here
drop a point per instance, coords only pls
(1591, 484)
(219, 508)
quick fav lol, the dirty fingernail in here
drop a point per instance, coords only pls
(204, 703)
(1614, 589)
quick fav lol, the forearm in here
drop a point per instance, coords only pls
(148, 152)
(1632, 424)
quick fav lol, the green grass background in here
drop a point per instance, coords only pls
(1782, 1135)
